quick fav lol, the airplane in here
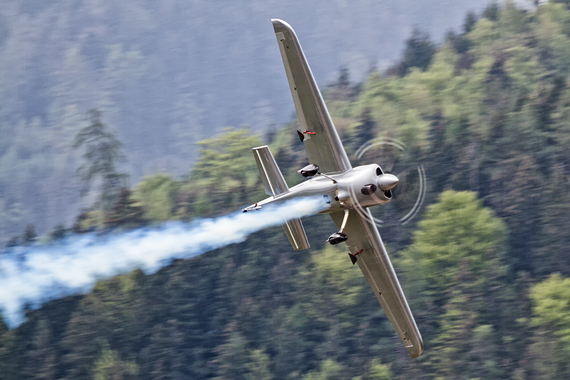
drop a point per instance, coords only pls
(349, 191)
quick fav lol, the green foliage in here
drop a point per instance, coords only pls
(379, 371)
(551, 307)
(113, 314)
(554, 239)
(89, 221)
(126, 212)
(551, 341)
(259, 366)
(456, 261)
(225, 175)
(157, 195)
(329, 370)
(329, 271)
(109, 366)
(512, 18)
(457, 236)
(232, 357)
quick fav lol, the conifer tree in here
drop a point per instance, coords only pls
(103, 153)
(419, 52)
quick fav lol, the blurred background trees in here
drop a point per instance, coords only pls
(166, 74)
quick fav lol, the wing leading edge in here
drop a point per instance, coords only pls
(372, 258)
(323, 145)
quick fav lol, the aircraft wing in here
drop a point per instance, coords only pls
(318, 133)
(364, 241)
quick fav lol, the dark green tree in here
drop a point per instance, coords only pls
(419, 52)
(470, 21)
(103, 153)
(491, 12)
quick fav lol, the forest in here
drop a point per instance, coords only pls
(485, 264)
(167, 74)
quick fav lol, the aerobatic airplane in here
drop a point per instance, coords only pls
(349, 191)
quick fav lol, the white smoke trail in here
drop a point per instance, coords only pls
(38, 274)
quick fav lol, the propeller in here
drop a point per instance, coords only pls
(409, 195)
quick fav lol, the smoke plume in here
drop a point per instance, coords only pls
(37, 274)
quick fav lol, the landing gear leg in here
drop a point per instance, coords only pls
(339, 237)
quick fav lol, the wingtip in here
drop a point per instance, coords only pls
(416, 352)
(280, 25)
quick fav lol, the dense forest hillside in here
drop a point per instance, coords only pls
(166, 74)
(485, 265)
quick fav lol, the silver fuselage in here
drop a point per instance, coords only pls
(342, 193)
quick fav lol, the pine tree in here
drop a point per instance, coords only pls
(103, 152)
(418, 53)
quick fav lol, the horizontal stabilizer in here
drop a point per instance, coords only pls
(271, 176)
(275, 184)
(296, 234)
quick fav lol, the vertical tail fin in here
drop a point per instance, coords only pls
(271, 176)
(275, 184)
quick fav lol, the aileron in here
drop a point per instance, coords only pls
(320, 137)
